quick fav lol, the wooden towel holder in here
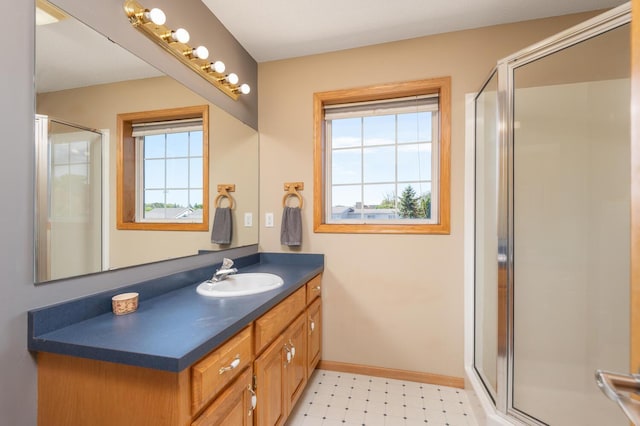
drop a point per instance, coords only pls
(223, 191)
(292, 191)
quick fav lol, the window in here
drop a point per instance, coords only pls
(163, 169)
(382, 158)
(69, 196)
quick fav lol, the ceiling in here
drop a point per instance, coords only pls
(279, 29)
(69, 54)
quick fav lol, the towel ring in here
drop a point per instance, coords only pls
(220, 196)
(223, 192)
(292, 193)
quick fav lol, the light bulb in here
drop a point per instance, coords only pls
(200, 52)
(233, 78)
(180, 35)
(245, 89)
(156, 16)
(218, 66)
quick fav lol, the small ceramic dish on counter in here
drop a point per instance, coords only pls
(124, 303)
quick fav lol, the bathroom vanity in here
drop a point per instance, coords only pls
(183, 358)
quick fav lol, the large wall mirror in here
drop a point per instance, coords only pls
(83, 81)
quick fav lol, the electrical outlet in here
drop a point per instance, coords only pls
(268, 220)
(248, 220)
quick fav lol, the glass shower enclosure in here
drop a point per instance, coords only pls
(552, 226)
(69, 232)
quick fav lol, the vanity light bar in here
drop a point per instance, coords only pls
(151, 23)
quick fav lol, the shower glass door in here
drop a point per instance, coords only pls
(486, 321)
(69, 200)
(570, 201)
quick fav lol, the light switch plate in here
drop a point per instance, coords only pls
(248, 220)
(268, 220)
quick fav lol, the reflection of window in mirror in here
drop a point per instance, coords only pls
(162, 169)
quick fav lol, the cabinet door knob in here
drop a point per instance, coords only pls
(312, 326)
(317, 288)
(234, 364)
(289, 356)
(254, 400)
(293, 349)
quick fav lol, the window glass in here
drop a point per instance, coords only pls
(387, 174)
(346, 165)
(176, 169)
(347, 133)
(380, 130)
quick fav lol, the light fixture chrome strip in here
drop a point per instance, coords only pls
(151, 24)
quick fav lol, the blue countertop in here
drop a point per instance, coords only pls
(171, 330)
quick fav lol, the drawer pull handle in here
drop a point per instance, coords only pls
(317, 288)
(312, 326)
(234, 364)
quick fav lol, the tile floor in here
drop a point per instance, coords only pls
(344, 399)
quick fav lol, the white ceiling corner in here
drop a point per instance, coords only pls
(279, 29)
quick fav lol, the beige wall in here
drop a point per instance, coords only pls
(233, 151)
(392, 301)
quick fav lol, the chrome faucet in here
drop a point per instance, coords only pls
(224, 271)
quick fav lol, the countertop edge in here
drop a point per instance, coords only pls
(313, 265)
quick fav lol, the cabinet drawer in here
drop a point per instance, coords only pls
(217, 369)
(271, 324)
(232, 407)
(314, 288)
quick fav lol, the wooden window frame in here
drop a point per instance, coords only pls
(441, 86)
(126, 168)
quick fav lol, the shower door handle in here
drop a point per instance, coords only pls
(621, 389)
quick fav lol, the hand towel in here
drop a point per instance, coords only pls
(221, 229)
(291, 229)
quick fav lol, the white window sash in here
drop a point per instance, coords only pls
(428, 103)
(139, 148)
(164, 127)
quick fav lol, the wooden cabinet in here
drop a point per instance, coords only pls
(281, 374)
(79, 392)
(269, 367)
(283, 369)
(314, 288)
(219, 368)
(278, 352)
(233, 407)
(295, 375)
(271, 324)
(314, 323)
(314, 338)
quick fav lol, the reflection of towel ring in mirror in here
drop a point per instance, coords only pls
(223, 193)
(292, 193)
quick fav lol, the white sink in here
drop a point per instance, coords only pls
(241, 285)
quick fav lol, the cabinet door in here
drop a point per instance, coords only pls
(314, 339)
(296, 356)
(269, 368)
(232, 407)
